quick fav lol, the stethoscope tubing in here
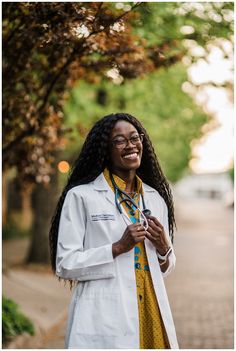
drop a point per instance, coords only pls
(129, 199)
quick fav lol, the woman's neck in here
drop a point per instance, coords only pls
(128, 177)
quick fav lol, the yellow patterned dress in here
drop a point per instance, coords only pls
(151, 327)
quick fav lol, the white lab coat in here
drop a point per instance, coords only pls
(104, 309)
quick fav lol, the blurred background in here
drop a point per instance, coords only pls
(65, 65)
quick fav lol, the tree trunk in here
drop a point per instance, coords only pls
(27, 213)
(4, 198)
(43, 202)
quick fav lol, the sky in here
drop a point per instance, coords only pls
(214, 152)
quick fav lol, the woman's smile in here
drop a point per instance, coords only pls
(132, 156)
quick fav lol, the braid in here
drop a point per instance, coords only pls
(93, 159)
(156, 179)
(53, 234)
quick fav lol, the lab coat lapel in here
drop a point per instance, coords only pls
(101, 185)
(146, 194)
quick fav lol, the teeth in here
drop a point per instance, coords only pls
(131, 156)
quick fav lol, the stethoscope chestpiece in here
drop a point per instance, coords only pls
(146, 212)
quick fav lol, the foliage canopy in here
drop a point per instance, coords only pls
(170, 116)
(47, 47)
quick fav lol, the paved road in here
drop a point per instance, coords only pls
(201, 287)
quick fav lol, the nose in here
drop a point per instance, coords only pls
(129, 143)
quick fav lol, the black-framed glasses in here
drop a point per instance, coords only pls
(122, 142)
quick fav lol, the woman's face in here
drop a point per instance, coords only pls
(125, 155)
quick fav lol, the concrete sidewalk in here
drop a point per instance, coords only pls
(39, 294)
(41, 297)
(201, 288)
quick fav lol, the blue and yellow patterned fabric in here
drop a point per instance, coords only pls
(151, 327)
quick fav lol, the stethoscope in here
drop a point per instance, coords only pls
(128, 200)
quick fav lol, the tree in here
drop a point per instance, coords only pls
(48, 47)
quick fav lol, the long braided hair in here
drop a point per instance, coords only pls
(94, 158)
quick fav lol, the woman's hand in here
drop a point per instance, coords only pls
(156, 234)
(133, 234)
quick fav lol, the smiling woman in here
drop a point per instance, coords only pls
(127, 149)
(113, 249)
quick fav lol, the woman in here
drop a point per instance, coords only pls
(110, 235)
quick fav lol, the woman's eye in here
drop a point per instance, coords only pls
(119, 141)
(135, 138)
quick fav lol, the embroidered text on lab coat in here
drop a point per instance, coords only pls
(103, 217)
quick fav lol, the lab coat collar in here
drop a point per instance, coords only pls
(101, 184)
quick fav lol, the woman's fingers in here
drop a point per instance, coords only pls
(150, 237)
(154, 229)
(153, 232)
(140, 238)
(139, 229)
(154, 221)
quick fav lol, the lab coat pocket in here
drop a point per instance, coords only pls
(98, 313)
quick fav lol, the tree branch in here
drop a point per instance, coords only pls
(55, 79)
(70, 59)
(13, 143)
(125, 13)
(31, 130)
(99, 9)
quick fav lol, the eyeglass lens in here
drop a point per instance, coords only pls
(122, 142)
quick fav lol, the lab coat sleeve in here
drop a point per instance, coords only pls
(172, 258)
(72, 261)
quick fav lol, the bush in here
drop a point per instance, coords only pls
(13, 321)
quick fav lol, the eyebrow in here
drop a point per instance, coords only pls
(122, 135)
